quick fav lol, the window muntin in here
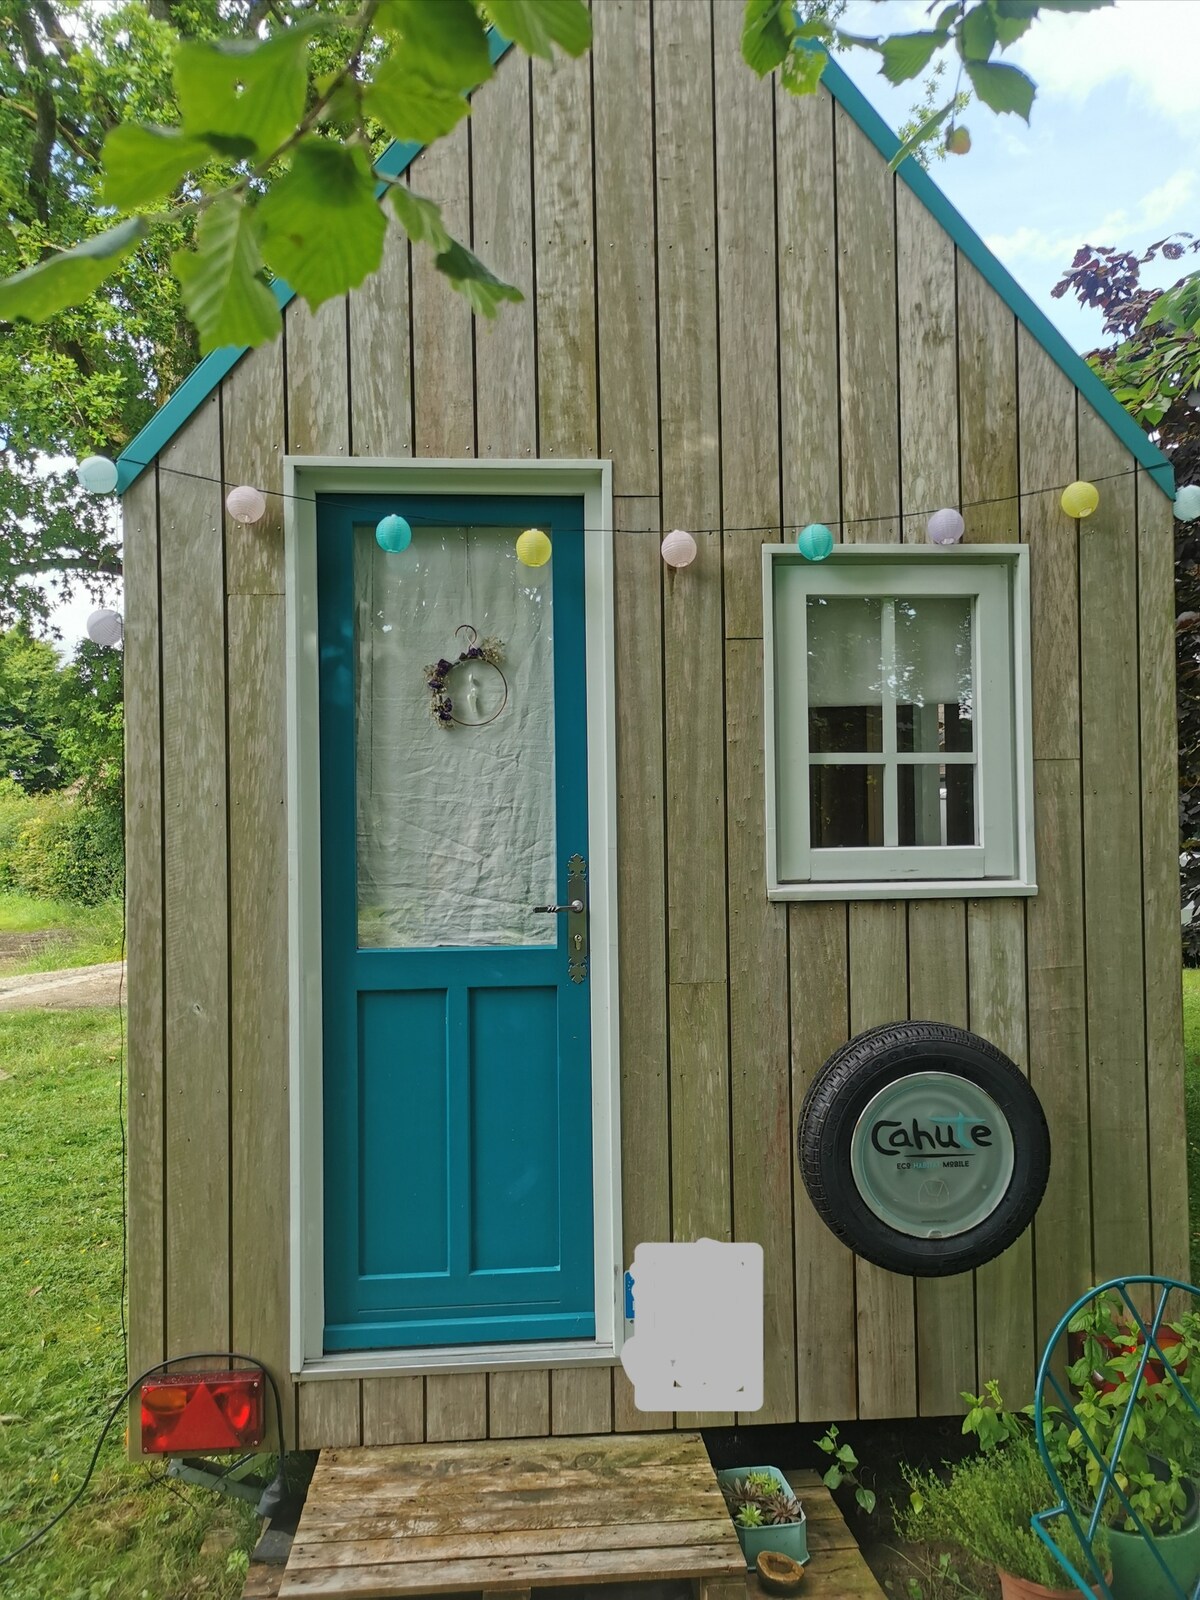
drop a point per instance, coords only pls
(896, 752)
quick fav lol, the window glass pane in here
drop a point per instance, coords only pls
(456, 824)
(936, 804)
(845, 674)
(846, 806)
(933, 674)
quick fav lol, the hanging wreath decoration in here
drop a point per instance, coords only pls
(437, 677)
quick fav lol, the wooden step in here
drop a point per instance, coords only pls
(640, 1514)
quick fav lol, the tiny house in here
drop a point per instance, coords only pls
(488, 919)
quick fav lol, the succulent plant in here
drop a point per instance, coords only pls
(750, 1517)
(780, 1507)
(759, 1483)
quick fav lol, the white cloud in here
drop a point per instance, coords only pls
(1156, 210)
(1153, 45)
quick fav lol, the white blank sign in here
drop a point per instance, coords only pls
(698, 1327)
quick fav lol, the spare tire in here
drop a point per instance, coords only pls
(923, 1148)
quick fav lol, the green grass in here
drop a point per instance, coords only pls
(61, 1362)
(89, 934)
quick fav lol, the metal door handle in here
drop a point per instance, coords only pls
(577, 919)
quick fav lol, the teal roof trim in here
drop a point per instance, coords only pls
(1093, 389)
(207, 374)
(200, 383)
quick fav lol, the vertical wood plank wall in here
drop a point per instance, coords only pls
(729, 297)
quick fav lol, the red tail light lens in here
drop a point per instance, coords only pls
(202, 1411)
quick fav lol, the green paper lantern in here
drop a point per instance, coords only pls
(815, 542)
(393, 534)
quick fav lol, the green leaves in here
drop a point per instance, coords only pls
(1002, 88)
(222, 279)
(767, 28)
(907, 54)
(143, 164)
(410, 106)
(801, 71)
(244, 100)
(538, 25)
(924, 131)
(773, 37)
(444, 43)
(322, 228)
(977, 35)
(441, 54)
(71, 275)
(422, 221)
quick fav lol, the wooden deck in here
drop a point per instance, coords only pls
(640, 1513)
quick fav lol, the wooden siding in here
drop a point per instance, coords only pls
(729, 297)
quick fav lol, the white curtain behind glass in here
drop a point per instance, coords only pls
(456, 834)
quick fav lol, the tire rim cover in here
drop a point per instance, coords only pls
(932, 1155)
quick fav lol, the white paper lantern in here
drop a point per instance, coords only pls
(105, 627)
(97, 474)
(679, 548)
(1187, 502)
(945, 526)
(245, 504)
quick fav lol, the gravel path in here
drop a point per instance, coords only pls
(63, 990)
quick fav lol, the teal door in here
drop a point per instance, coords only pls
(456, 1017)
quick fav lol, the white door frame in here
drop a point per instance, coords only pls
(304, 477)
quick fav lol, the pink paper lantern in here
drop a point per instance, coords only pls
(945, 526)
(245, 504)
(679, 548)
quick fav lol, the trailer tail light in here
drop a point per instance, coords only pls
(201, 1411)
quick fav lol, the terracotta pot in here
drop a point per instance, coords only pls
(1022, 1589)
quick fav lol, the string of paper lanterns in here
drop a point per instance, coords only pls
(247, 505)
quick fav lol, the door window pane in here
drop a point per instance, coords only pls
(456, 823)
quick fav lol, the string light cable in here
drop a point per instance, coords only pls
(343, 503)
(272, 1494)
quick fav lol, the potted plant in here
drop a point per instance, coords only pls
(1160, 1455)
(765, 1512)
(985, 1505)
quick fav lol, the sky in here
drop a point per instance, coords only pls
(1111, 155)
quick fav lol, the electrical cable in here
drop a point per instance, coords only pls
(767, 527)
(161, 1366)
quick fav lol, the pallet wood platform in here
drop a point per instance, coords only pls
(504, 1518)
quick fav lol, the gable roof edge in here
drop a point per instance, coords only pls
(1065, 357)
(161, 428)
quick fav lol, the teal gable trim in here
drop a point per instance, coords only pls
(859, 108)
(166, 422)
(204, 378)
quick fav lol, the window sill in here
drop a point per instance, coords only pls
(904, 889)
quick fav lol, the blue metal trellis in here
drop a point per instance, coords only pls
(1085, 1523)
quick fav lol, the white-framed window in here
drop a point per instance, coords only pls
(898, 729)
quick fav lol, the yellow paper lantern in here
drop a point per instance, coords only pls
(533, 548)
(1080, 499)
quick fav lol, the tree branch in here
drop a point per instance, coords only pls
(46, 120)
(54, 30)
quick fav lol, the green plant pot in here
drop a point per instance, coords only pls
(789, 1538)
(1138, 1576)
